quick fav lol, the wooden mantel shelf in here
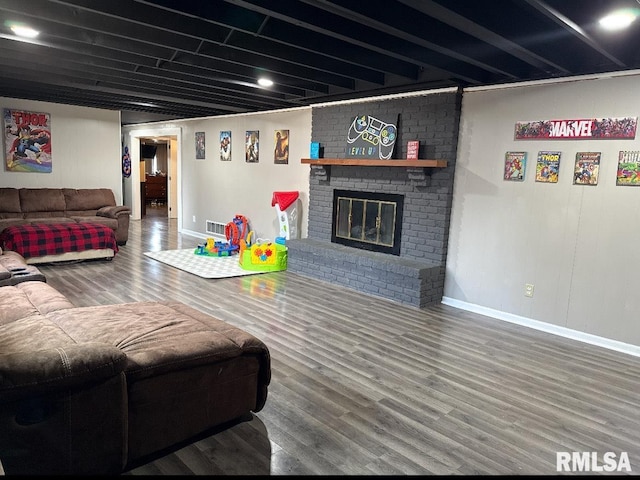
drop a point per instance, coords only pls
(366, 162)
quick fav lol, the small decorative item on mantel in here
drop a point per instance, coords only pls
(315, 150)
(413, 147)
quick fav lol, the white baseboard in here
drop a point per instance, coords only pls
(192, 233)
(545, 327)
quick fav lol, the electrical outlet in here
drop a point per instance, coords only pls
(194, 219)
(528, 290)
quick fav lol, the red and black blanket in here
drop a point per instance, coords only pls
(38, 240)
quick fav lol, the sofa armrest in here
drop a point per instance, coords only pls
(35, 373)
(121, 213)
(113, 211)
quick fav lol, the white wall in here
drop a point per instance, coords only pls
(85, 148)
(576, 244)
(215, 190)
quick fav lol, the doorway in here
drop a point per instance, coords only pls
(161, 167)
(158, 162)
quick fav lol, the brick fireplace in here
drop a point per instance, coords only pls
(415, 274)
(367, 220)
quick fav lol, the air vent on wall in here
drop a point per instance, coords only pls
(216, 228)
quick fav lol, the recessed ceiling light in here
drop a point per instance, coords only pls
(618, 20)
(23, 31)
(265, 82)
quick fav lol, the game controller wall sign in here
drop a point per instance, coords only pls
(370, 137)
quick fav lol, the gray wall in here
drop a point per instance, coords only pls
(574, 243)
(85, 149)
(216, 190)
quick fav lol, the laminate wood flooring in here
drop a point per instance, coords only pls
(364, 386)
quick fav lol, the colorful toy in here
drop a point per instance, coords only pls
(235, 232)
(264, 256)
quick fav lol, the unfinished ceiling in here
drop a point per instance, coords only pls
(169, 59)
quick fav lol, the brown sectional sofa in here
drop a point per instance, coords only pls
(19, 206)
(96, 390)
(14, 269)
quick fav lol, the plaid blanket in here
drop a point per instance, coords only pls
(42, 239)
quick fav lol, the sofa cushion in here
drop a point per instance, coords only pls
(42, 200)
(88, 198)
(44, 297)
(47, 217)
(35, 371)
(112, 223)
(160, 337)
(48, 220)
(13, 306)
(10, 200)
(28, 299)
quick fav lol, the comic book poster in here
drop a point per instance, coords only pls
(547, 167)
(578, 128)
(225, 146)
(200, 146)
(628, 168)
(281, 151)
(251, 144)
(587, 168)
(27, 141)
(515, 164)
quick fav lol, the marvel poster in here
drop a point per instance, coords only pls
(251, 144)
(515, 164)
(27, 141)
(587, 168)
(225, 146)
(281, 151)
(200, 146)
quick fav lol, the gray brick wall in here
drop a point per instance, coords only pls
(432, 119)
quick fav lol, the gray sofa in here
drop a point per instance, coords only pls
(19, 206)
(97, 390)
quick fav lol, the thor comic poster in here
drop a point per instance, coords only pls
(27, 141)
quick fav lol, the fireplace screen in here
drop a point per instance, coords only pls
(367, 220)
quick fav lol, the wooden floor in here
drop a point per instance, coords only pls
(364, 386)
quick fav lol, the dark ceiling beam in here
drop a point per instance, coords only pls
(95, 30)
(104, 45)
(292, 43)
(211, 35)
(574, 29)
(148, 81)
(196, 79)
(137, 93)
(71, 16)
(35, 90)
(435, 10)
(295, 54)
(414, 33)
(294, 25)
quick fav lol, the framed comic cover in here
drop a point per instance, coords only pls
(200, 146)
(548, 167)
(252, 144)
(587, 168)
(628, 168)
(281, 150)
(27, 141)
(515, 165)
(225, 146)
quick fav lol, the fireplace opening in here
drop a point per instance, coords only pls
(367, 220)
